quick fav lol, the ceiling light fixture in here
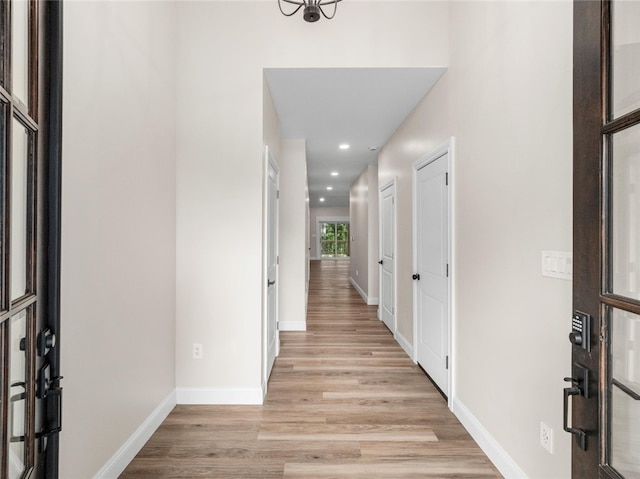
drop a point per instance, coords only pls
(334, 173)
(344, 146)
(329, 188)
(312, 9)
(321, 200)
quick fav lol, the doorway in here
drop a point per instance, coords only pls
(432, 271)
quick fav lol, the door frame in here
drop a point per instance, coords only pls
(448, 148)
(269, 162)
(392, 183)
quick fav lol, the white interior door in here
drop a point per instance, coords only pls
(431, 275)
(271, 281)
(387, 256)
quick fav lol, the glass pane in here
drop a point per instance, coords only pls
(20, 49)
(343, 231)
(328, 231)
(328, 248)
(342, 248)
(625, 410)
(17, 391)
(625, 51)
(625, 262)
(19, 209)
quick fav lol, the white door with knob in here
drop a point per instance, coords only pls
(387, 255)
(431, 266)
(271, 267)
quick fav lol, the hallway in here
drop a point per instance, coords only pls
(344, 401)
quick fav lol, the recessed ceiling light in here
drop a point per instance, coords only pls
(321, 200)
(329, 188)
(344, 146)
(334, 173)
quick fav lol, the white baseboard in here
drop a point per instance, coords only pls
(362, 293)
(405, 344)
(494, 451)
(220, 396)
(292, 325)
(123, 456)
(373, 301)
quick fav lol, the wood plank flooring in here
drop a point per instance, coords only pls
(344, 401)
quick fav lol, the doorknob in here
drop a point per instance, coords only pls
(416, 276)
(380, 262)
(270, 283)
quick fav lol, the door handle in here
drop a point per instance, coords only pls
(416, 277)
(380, 262)
(270, 283)
(580, 434)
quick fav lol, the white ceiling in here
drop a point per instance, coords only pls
(329, 106)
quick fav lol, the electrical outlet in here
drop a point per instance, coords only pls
(197, 351)
(546, 437)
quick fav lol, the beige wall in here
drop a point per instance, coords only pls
(507, 100)
(363, 203)
(118, 230)
(314, 214)
(373, 253)
(359, 230)
(292, 275)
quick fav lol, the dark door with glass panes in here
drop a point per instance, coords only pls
(30, 139)
(334, 239)
(602, 397)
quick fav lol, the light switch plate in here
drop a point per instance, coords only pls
(557, 264)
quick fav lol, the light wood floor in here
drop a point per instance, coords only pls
(344, 401)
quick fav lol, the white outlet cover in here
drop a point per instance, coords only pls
(546, 437)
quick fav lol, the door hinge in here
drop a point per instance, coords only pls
(446, 363)
(446, 178)
(447, 270)
(277, 194)
(278, 259)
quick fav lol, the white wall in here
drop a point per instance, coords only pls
(292, 296)
(507, 99)
(374, 236)
(319, 212)
(222, 50)
(118, 230)
(363, 203)
(359, 231)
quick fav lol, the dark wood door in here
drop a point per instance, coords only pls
(30, 140)
(604, 388)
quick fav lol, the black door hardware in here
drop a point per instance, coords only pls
(580, 387)
(270, 283)
(380, 262)
(416, 276)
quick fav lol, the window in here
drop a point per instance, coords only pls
(334, 239)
